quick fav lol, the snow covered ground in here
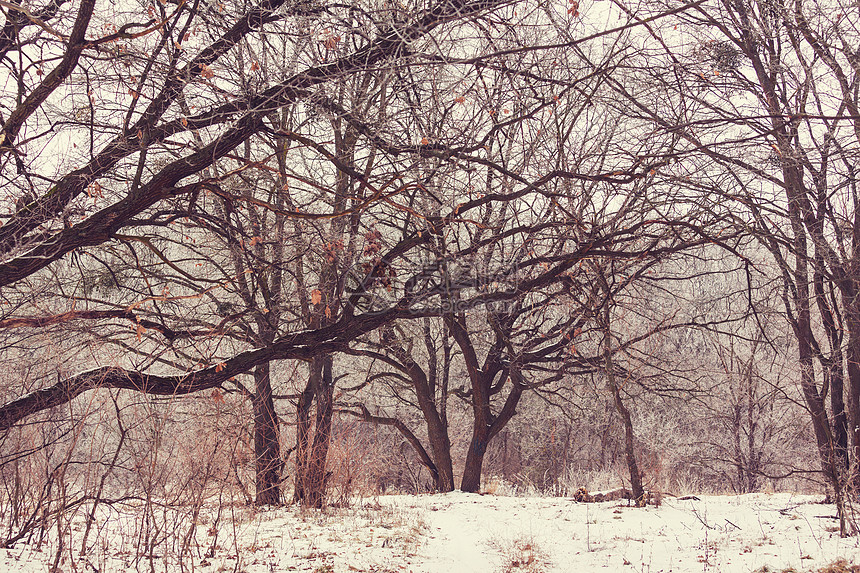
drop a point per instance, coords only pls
(458, 532)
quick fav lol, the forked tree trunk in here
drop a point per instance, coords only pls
(317, 477)
(802, 327)
(312, 452)
(487, 426)
(266, 440)
(303, 433)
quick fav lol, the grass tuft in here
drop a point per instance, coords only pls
(840, 566)
(523, 557)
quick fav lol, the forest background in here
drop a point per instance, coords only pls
(297, 250)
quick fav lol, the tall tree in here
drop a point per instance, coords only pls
(762, 96)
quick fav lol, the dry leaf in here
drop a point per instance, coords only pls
(316, 296)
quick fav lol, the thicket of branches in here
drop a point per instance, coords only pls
(273, 230)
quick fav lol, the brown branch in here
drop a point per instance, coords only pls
(126, 314)
(53, 80)
(365, 415)
(101, 227)
(32, 17)
(301, 345)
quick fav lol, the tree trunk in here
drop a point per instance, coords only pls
(484, 430)
(437, 432)
(317, 479)
(753, 465)
(440, 445)
(266, 439)
(312, 447)
(629, 451)
(432, 393)
(834, 376)
(609, 372)
(802, 327)
(852, 405)
(475, 460)
(303, 433)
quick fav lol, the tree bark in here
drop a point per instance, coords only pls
(266, 439)
(629, 441)
(317, 478)
(488, 427)
(852, 404)
(303, 432)
(802, 327)
(312, 446)
(437, 432)
(834, 377)
(471, 482)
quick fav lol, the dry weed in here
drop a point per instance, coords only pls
(523, 557)
(840, 566)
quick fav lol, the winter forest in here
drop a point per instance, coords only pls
(283, 255)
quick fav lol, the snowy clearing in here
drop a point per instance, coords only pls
(472, 533)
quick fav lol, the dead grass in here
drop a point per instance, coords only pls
(523, 557)
(838, 566)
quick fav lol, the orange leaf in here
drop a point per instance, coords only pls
(220, 366)
(316, 296)
(327, 312)
(331, 42)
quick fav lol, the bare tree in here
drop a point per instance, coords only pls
(758, 94)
